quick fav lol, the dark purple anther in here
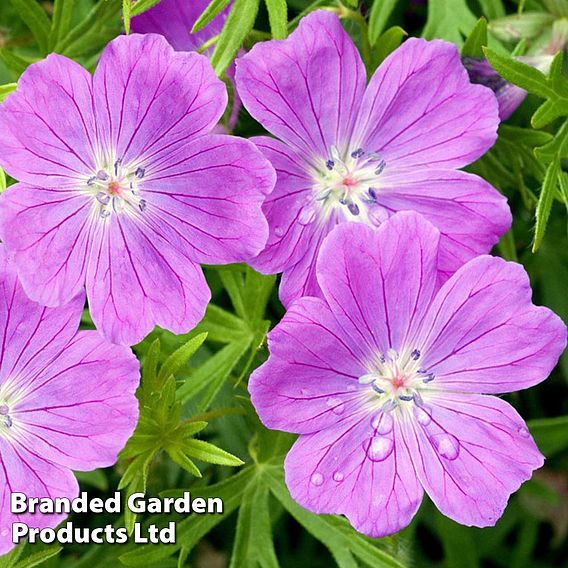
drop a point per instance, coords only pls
(330, 164)
(353, 208)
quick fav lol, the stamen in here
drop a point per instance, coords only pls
(377, 389)
(116, 166)
(357, 153)
(429, 378)
(330, 164)
(353, 208)
(380, 168)
(104, 213)
(8, 422)
(102, 175)
(139, 173)
(142, 205)
(103, 198)
(372, 193)
(415, 354)
(407, 398)
(91, 180)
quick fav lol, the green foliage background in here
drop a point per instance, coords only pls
(196, 414)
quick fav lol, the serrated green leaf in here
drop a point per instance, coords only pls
(545, 200)
(237, 26)
(550, 434)
(223, 326)
(209, 453)
(253, 541)
(278, 18)
(179, 457)
(378, 18)
(180, 357)
(214, 8)
(476, 40)
(60, 21)
(520, 74)
(35, 18)
(557, 146)
(213, 373)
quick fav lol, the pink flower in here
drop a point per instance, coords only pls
(389, 379)
(123, 190)
(351, 152)
(66, 400)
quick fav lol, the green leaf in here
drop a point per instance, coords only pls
(557, 146)
(179, 358)
(223, 326)
(381, 11)
(238, 25)
(36, 19)
(492, 8)
(278, 18)
(253, 542)
(5, 90)
(179, 457)
(550, 434)
(213, 373)
(387, 43)
(60, 21)
(545, 200)
(126, 14)
(449, 19)
(142, 5)
(209, 453)
(39, 557)
(191, 530)
(476, 40)
(459, 547)
(16, 63)
(528, 25)
(96, 478)
(2, 180)
(214, 8)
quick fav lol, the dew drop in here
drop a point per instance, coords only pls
(305, 392)
(447, 445)
(523, 432)
(338, 476)
(307, 215)
(379, 448)
(279, 231)
(317, 479)
(422, 415)
(336, 405)
(382, 422)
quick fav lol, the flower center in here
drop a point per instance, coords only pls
(117, 189)
(397, 378)
(347, 186)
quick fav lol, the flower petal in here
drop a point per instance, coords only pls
(471, 346)
(137, 279)
(149, 99)
(24, 471)
(306, 89)
(379, 283)
(47, 125)
(288, 237)
(332, 471)
(48, 231)
(174, 19)
(473, 454)
(421, 110)
(208, 196)
(470, 214)
(310, 379)
(82, 409)
(31, 335)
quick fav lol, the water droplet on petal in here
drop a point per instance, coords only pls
(523, 432)
(422, 415)
(338, 476)
(307, 215)
(447, 445)
(305, 392)
(380, 448)
(382, 422)
(336, 405)
(279, 231)
(317, 479)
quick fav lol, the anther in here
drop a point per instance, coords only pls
(102, 175)
(104, 213)
(142, 205)
(103, 198)
(428, 378)
(139, 173)
(377, 389)
(353, 208)
(407, 398)
(357, 153)
(116, 166)
(91, 180)
(8, 421)
(380, 167)
(372, 193)
(330, 164)
(4, 410)
(415, 354)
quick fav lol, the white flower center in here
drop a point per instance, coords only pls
(116, 189)
(347, 186)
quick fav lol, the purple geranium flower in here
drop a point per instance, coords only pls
(66, 400)
(123, 189)
(386, 379)
(348, 152)
(174, 19)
